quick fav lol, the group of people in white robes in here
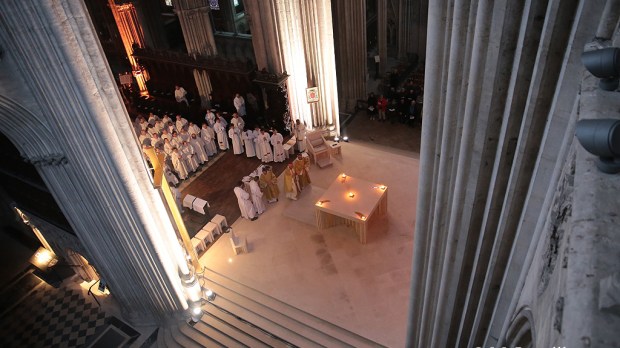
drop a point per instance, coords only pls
(185, 145)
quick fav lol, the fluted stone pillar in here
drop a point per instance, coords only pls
(263, 22)
(131, 33)
(70, 122)
(296, 37)
(412, 22)
(350, 44)
(500, 106)
(199, 40)
(382, 11)
(151, 22)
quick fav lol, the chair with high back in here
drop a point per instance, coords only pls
(239, 244)
(318, 149)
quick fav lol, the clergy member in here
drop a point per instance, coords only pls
(222, 138)
(290, 182)
(269, 183)
(257, 195)
(278, 148)
(245, 204)
(233, 133)
(301, 165)
(300, 134)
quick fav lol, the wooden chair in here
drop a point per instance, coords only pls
(318, 149)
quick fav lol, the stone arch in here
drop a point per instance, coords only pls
(31, 136)
(521, 331)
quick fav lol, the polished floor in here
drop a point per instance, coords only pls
(329, 273)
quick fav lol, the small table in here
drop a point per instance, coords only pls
(352, 202)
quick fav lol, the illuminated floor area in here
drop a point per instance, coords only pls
(63, 317)
(328, 273)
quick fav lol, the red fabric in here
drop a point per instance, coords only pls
(382, 104)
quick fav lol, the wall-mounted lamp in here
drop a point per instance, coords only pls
(601, 138)
(605, 64)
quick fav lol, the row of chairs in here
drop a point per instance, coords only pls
(217, 226)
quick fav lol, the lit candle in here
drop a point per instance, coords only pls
(363, 218)
(319, 203)
(343, 175)
(383, 187)
(351, 194)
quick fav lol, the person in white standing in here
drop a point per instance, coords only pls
(222, 137)
(247, 137)
(208, 135)
(233, 133)
(239, 104)
(300, 134)
(278, 148)
(180, 94)
(257, 196)
(265, 147)
(245, 204)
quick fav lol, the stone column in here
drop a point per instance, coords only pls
(412, 28)
(77, 133)
(350, 44)
(131, 34)
(149, 14)
(382, 34)
(304, 31)
(263, 23)
(199, 39)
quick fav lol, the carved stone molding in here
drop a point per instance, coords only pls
(48, 160)
(558, 219)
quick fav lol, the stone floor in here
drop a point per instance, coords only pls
(328, 273)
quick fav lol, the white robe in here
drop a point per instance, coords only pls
(278, 148)
(300, 134)
(176, 141)
(193, 129)
(170, 177)
(248, 140)
(210, 118)
(179, 164)
(245, 204)
(257, 197)
(168, 148)
(236, 141)
(238, 122)
(181, 123)
(239, 105)
(207, 134)
(257, 146)
(222, 138)
(265, 146)
(184, 135)
(199, 148)
(190, 157)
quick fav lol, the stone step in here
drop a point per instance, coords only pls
(245, 310)
(179, 334)
(204, 339)
(169, 340)
(232, 326)
(319, 330)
